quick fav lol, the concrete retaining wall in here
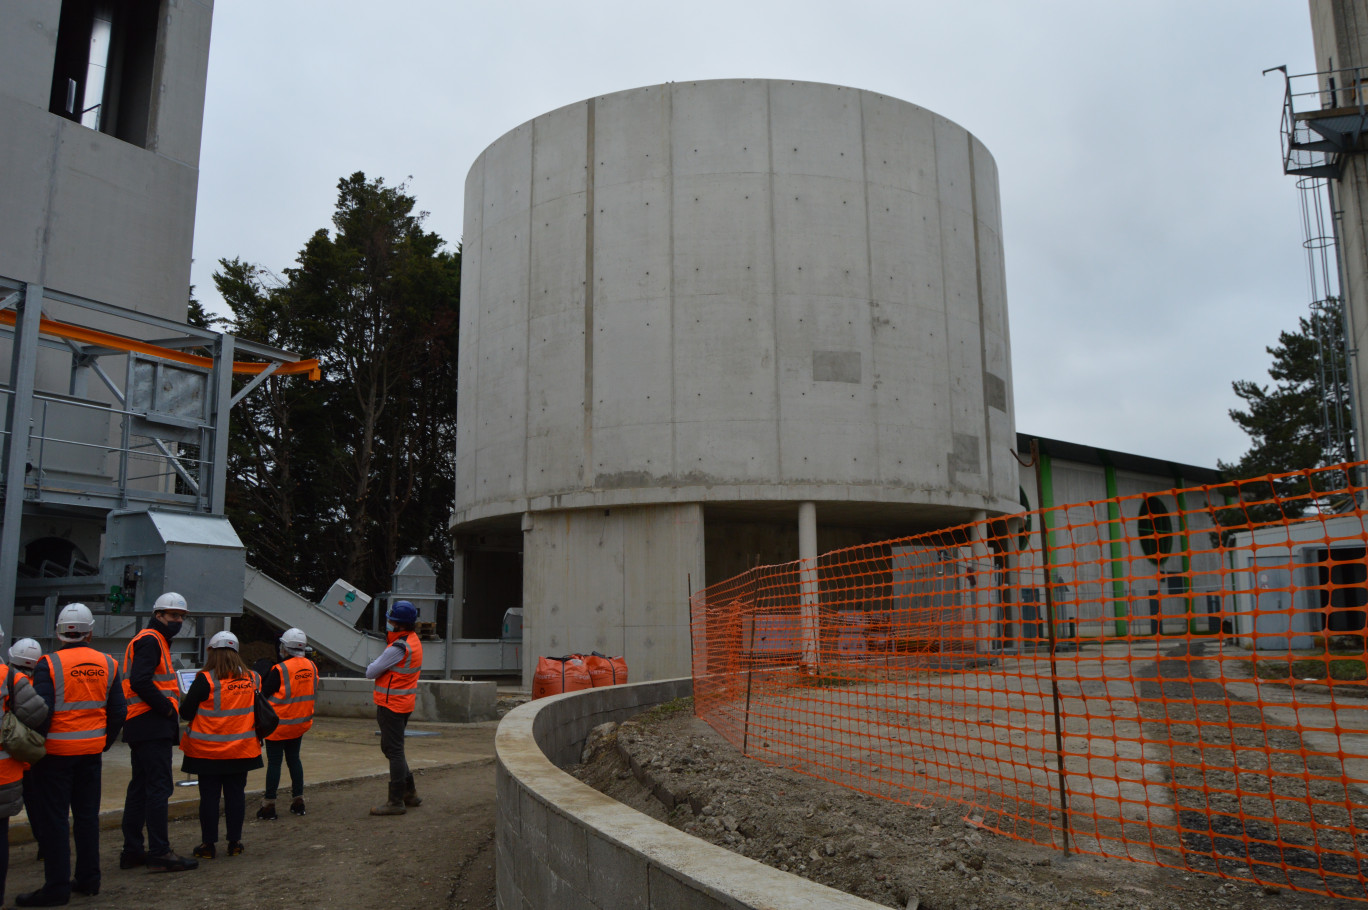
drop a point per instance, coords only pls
(440, 700)
(561, 844)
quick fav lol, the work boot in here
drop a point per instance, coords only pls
(395, 805)
(170, 862)
(42, 898)
(411, 797)
(297, 806)
(267, 811)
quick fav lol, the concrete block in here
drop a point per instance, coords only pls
(457, 701)
(617, 876)
(532, 810)
(669, 891)
(439, 701)
(567, 852)
(506, 790)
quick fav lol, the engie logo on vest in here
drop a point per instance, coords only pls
(235, 684)
(94, 670)
(303, 673)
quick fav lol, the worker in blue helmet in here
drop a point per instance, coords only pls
(396, 673)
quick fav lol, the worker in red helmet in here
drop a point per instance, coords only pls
(396, 673)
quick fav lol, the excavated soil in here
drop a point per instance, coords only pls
(670, 765)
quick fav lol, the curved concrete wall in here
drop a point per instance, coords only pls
(562, 844)
(734, 290)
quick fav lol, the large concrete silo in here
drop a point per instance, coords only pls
(711, 323)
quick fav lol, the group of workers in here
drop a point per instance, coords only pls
(81, 699)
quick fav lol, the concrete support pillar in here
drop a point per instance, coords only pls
(1011, 576)
(455, 609)
(808, 593)
(985, 591)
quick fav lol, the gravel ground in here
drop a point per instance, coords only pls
(673, 767)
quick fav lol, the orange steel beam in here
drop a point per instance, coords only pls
(118, 342)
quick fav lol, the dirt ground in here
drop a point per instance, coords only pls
(673, 767)
(439, 856)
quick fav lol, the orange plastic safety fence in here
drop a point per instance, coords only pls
(1176, 678)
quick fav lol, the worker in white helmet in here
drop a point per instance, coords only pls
(84, 695)
(17, 695)
(289, 685)
(23, 655)
(151, 731)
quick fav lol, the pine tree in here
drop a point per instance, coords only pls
(341, 477)
(1301, 422)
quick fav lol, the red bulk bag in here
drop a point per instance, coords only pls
(559, 674)
(605, 670)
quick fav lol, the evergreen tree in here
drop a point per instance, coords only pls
(341, 477)
(1300, 423)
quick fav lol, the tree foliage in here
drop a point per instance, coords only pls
(1293, 424)
(341, 477)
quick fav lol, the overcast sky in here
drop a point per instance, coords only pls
(1153, 245)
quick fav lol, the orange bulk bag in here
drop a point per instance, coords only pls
(605, 670)
(559, 674)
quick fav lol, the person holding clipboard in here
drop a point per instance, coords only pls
(221, 745)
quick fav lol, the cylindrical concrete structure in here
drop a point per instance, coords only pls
(738, 293)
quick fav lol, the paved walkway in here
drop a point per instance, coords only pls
(336, 749)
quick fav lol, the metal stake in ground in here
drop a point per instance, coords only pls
(1050, 638)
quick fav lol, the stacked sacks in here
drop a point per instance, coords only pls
(559, 674)
(605, 670)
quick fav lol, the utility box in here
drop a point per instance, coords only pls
(345, 601)
(197, 555)
(512, 624)
(414, 581)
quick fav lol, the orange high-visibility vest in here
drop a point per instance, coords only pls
(294, 700)
(11, 769)
(223, 725)
(81, 677)
(397, 687)
(164, 678)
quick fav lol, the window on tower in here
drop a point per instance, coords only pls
(103, 75)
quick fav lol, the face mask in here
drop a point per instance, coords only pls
(172, 628)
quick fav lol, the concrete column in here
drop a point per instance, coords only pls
(985, 594)
(455, 609)
(807, 555)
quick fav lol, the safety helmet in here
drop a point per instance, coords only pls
(294, 641)
(402, 611)
(224, 640)
(24, 653)
(170, 601)
(75, 622)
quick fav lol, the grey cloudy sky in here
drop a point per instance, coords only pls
(1153, 245)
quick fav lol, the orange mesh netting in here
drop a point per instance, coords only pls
(1175, 678)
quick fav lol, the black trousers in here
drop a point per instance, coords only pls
(233, 787)
(392, 726)
(63, 783)
(149, 791)
(286, 750)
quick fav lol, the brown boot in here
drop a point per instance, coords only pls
(411, 797)
(395, 805)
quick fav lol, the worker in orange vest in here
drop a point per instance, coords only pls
(86, 709)
(151, 731)
(23, 655)
(289, 686)
(17, 695)
(221, 745)
(395, 673)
